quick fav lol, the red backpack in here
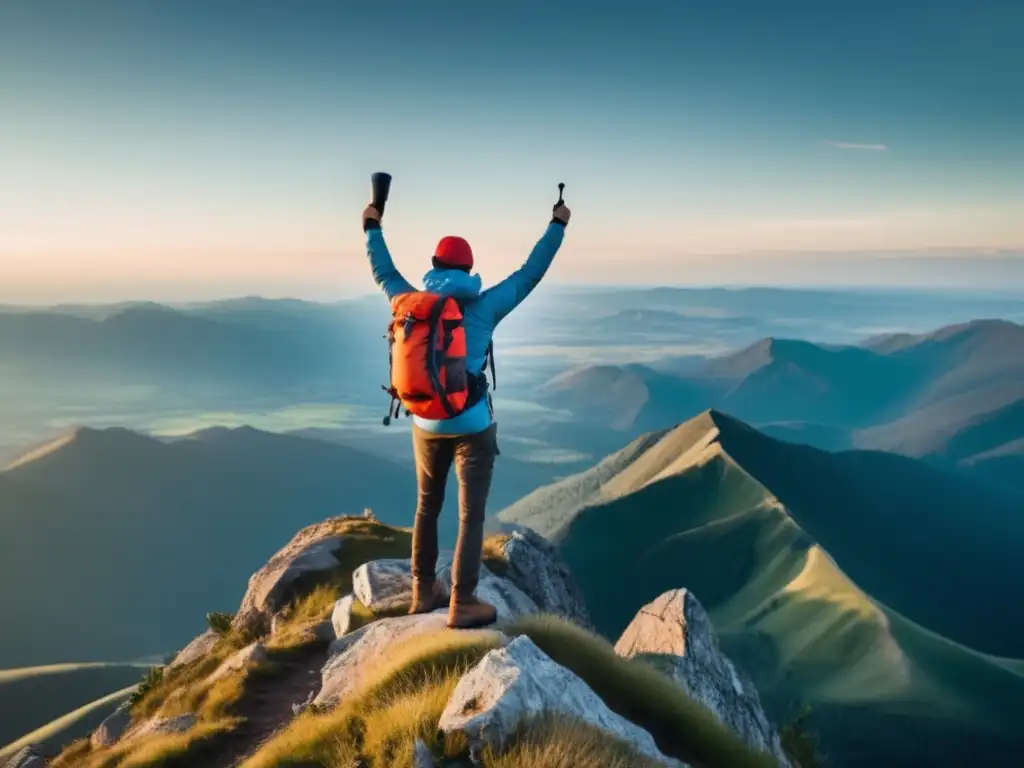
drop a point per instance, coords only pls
(427, 355)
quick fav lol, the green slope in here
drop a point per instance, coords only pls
(676, 509)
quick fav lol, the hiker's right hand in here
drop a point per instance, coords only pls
(562, 214)
(371, 214)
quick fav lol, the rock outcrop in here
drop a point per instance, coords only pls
(535, 566)
(27, 757)
(675, 634)
(386, 585)
(341, 616)
(162, 725)
(314, 549)
(111, 729)
(504, 595)
(195, 650)
(516, 684)
(251, 655)
(351, 656)
(510, 688)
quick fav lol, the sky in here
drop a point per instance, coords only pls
(152, 149)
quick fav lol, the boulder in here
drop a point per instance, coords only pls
(351, 656)
(509, 599)
(675, 634)
(518, 683)
(163, 725)
(383, 585)
(111, 729)
(251, 655)
(312, 550)
(535, 566)
(386, 585)
(195, 650)
(28, 757)
(341, 617)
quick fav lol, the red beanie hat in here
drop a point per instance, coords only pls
(454, 252)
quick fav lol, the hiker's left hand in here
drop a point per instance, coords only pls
(371, 213)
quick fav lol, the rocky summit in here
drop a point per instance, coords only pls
(323, 666)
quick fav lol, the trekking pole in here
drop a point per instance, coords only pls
(561, 187)
(381, 184)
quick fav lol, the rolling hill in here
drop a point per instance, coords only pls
(179, 516)
(251, 345)
(828, 575)
(632, 397)
(954, 397)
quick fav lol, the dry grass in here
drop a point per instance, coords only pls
(186, 682)
(175, 750)
(314, 599)
(402, 699)
(494, 555)
(560, 743)
(72, 754)
(682, 727)
(187, 690)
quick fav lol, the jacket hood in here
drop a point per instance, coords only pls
(453, 282)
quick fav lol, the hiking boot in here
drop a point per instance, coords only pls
(427, 596)
(470, 612)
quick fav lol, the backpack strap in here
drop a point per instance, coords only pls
(388, 388)
(432, 369)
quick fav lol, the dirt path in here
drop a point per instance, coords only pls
(268, 706)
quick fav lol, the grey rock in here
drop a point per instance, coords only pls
(298, 709)
(111, 729)
(350, 655)
(27, 757)
(341, 617)
(422, 757)
(195, 650)
(538, 570)
(383, 585)
(510, 601)
(675, 634)
(312, 550)
(162, 725)
(515, 684)
(249, 656)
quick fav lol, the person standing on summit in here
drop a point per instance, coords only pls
(450, 386)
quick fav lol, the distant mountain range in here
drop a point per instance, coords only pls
(177, 516)
(955, 396)
(254, 345)
(885, 592)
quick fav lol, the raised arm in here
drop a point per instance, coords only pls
(385, 273)
(510, 292)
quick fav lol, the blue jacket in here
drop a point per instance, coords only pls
(483, 310)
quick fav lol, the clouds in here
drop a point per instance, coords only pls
(858, 147)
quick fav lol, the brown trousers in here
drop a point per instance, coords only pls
(473, 456)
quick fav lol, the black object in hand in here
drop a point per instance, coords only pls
(381, 183)
(561, 186)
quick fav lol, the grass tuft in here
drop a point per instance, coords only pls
(220, 622)
(73, 754)
(494, 554)
(401, 699)
(562, 743)
(682, 727)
